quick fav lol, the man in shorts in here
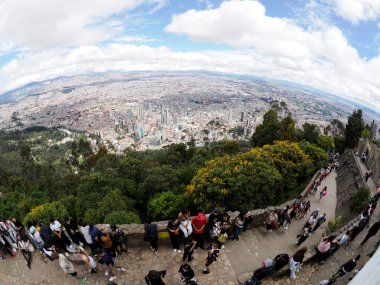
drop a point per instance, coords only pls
(68, 268)
(106, 259)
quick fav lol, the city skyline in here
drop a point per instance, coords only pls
(329, 45)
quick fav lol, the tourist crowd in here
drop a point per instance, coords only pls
(62, 240)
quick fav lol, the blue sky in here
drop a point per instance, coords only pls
(328, 44)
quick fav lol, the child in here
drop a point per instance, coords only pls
(190, 244)
(323, 193)
(212, 255)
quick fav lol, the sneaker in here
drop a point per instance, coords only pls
(106, 273)
(84, 280)
(66, 254)
(152, 249)
(175, 250)
(122, 269)
(113, 278)
(206, 271)
(179, 251)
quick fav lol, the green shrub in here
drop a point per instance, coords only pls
(166, 205)
(44, 213)
(122, 217)
(334, 224)
(360, 199)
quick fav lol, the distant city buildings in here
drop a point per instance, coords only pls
(149, 110)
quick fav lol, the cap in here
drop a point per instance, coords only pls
(200, 216)
(216, 210)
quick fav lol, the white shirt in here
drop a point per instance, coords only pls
(92, 262)
(86, 233)
(56, 226)
(37, 237)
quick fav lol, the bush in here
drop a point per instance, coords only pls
(360, 199)
(166, 205)
(44, 213)
(334, 224)
(122, 217)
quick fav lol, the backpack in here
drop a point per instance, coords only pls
(280, 261)
(222, 238)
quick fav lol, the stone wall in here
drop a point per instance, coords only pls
(349, 180)
(373, 158)
(136, 231)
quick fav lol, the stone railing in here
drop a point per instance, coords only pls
(136, 231)
(349, 180)
(373, 158)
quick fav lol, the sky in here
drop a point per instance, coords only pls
(332, 45)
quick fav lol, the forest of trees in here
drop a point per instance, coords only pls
(41, 178)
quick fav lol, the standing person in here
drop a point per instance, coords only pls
(185, 222)
(87, 259)
(12, 230)
(238, 225)
(285, 218)
(20, 229)
(118, 238)
(199, 224)
(186, 273)
(316, 187)
(214, 217)
(212, 255)
(85, 230)
(68, 268)
(321, 219)
(106, 259)
(226, 224)
(151, 235)
(347, 267)
(344, 239)
(188, 251)
(272, 221)
(305, 234)
(323, 193)
(371, 232)
(323, 248)
(57, 236)
(173, 229)
(368, 174)
(310, 222)
(296, 261)
(358, 228)
(72, 229)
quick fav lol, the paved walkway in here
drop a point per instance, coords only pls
(237, 260)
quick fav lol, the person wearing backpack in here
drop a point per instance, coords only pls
(189, 246)
(155, 277)
(320, 221)
(186, 274)
(151, 235)
(280, 261)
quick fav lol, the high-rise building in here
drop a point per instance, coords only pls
(242, 117)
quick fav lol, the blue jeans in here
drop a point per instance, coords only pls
(236, 231)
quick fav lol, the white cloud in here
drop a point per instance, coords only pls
(126, 57)
(356, 11)
(41, 24)
(322, 56)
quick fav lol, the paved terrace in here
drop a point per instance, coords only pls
(236, 262)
